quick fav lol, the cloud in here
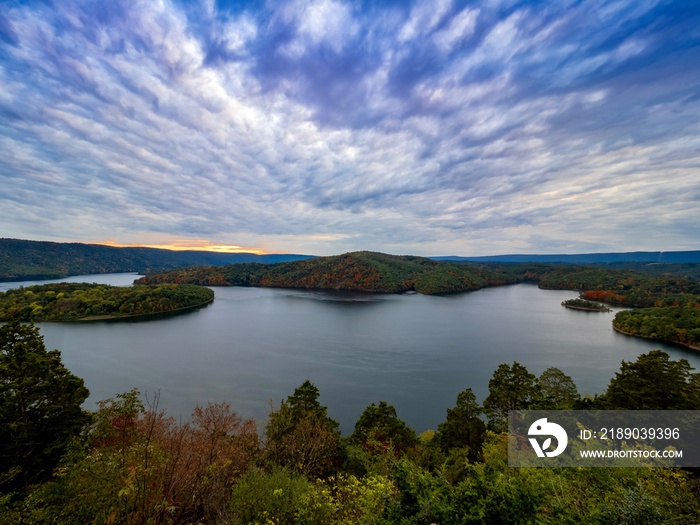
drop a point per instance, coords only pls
(461, 27)
(424, 17)
(324, 126)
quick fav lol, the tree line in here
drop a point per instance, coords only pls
(129, 462)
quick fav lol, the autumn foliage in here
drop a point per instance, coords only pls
(360, 271)
(139, 466)
(604, 296)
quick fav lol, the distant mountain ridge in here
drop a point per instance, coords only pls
(385, 273)
(23, 260)
(672, 257)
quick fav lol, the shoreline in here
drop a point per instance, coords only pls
(604, 309)
(684, 345)
(135, 316)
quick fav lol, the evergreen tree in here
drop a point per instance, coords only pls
(653, 382)
(463, 426)
(556, 391)
(39, 407)
(380, 422)
(304, 401)
(301, 436)
(510, 388)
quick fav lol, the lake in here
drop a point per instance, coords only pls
(253, 346)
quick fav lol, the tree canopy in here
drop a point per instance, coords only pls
(653, 382)
(555, 391)
(463, 426)
(510, 388)
(678, 324)
(361, 271)
(301, 435)
(381, 423)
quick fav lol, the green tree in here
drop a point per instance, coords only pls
(301, 436)
(653, 382)
(380, 422)
(510, 388)
(463, 427)
(304, 401)
(39, 407)
(556, 391)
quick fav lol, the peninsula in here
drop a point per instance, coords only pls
(586, 306)
(96, 302)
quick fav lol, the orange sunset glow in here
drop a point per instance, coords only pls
(190, 244)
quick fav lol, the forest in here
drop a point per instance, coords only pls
(84, 302)
(361, 271)
(379, 272)
(128, 462)
(679, 324)
(621, 287)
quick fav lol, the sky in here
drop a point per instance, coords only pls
(321, 126)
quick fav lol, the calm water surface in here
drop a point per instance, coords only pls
(253, 346)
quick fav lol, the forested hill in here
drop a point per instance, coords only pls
(362, 271)
(586, 258)
(22, 260)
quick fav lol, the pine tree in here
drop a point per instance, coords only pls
(39, 407)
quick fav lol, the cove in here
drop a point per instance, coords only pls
(253, 346)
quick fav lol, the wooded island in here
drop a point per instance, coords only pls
(586, 306)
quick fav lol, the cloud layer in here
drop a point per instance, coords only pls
(438, 127)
